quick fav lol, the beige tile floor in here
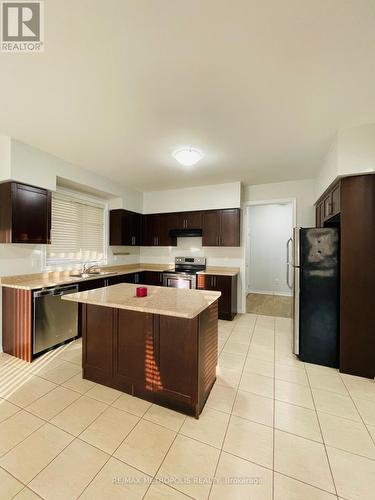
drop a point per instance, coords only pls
(273, 428)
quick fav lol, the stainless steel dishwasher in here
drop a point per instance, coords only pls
(55, 320)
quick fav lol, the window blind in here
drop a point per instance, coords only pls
(77, 231)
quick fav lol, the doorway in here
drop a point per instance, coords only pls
(269, 227)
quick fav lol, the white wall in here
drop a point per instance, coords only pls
(4, 157)
(24, 163)
(329, 171)
(33, 166)
(303, 191)
(351, 153)
(195, 198)
(269, 228)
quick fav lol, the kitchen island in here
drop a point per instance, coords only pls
(161, 348)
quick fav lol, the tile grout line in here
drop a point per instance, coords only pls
(321, 432)
(360, 415)
(234, 400)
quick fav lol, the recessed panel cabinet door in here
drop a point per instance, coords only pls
(134, 361)
(98, 341)
(230, 228)
(210, 228)
(31, 214)
(176, 368)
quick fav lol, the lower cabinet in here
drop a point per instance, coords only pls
(227, 285)
(153, 278)
(167, 360)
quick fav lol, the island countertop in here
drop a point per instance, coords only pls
(177, 302)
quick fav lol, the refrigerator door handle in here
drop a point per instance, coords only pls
(296, 305)
(288, 263)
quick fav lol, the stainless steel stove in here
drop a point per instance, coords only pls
(185, 272)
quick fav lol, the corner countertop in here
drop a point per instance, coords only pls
(176, 302)
(50, 279)
(57, 278)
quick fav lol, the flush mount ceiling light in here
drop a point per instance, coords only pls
(188, 156)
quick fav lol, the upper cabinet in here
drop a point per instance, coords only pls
(190, 220)
(125, 228)
(328, 205)
(25, 214)
(221, 228)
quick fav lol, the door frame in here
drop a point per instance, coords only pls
(246, 233)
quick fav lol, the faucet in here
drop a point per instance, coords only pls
(87, 267)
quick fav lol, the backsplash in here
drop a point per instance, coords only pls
(186, 247)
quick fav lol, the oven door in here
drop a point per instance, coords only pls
(179, 281)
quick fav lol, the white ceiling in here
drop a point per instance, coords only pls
(261, 86)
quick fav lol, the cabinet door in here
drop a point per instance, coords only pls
(166, 223)
(131, 228)
(223, 284)
(336, 200)
(115, 227)
(31, 214)
(98, 333)
(229, 228)
(83, 286)
(319, 215)
(133, 362)
(175, 344)
(210, 228)
(153, 278)
(127, 227)
(193, 220)
(148, 231)
(327, 206)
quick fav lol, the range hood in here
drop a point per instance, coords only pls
(185, 233)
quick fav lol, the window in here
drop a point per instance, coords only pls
(77, 231)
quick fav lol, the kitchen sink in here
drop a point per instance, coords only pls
(93, 274)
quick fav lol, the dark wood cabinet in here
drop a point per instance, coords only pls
(135, 278)
(190, 220)
(124, 228)
(151, 229)
(210, 228)
(221, 228)
(328, 206)
(230, 228)
(25, 214)
(153, 278)
(357, 272)
(336, 197)
(319, 215)
(175, 341)
(227, 285)
(166, 360)
(167, 222)
(133, 365)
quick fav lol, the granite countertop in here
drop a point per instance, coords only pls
(221, 271)
(50, 279)
(177, 302)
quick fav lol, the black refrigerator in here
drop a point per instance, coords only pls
(314, 261)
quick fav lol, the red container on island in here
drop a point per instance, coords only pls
(141, 291)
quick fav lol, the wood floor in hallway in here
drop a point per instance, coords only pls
(269, 305)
